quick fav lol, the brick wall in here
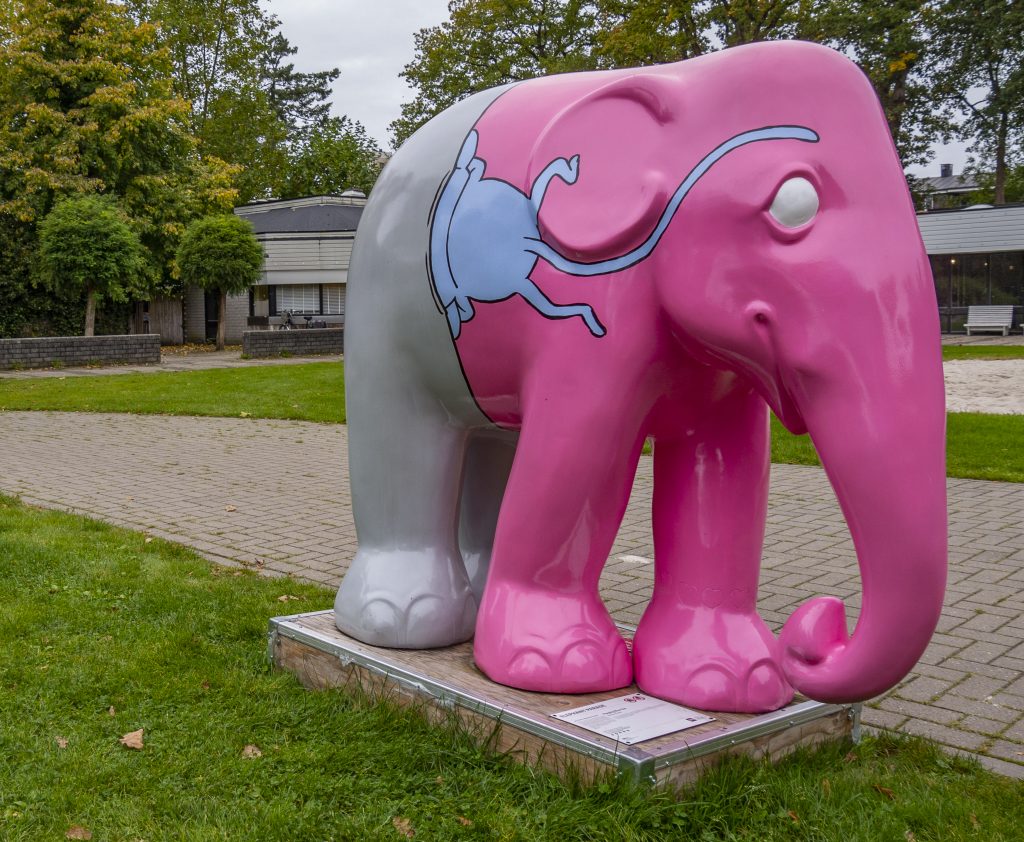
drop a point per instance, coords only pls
(301, 342)
(79, 350)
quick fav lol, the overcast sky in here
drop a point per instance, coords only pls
(370, 41)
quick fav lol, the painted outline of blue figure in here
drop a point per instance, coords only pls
(485, 239)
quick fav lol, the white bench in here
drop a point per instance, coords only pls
(996, 317)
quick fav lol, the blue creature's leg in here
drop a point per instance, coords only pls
(540, 302)
(454, 321)
(468, 151)
(466, 311)
(567, 170)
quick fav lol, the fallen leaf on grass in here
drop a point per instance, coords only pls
(850, 757)
(111, 711)
(243, 414)
(149, 539)
(974, 822)
(205, 685)
(230, 508)
(62, 742)
(465, 822)
(251, 751)
(404, 827)
(133, 740)
(884, 790)
(826, 786)
(76, 831)
(288, 598)
(794, 817)
(909, 836)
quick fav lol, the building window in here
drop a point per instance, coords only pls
(299, 298)
(964, 280)
(334, 299)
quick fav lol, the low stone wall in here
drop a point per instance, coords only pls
(79, 350)
(301, 342)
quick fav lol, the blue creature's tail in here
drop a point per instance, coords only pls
(617, 264)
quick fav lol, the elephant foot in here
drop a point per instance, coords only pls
(709, 658)
(549, 642)
(406, 599)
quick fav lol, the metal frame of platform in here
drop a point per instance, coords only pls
(428, 675)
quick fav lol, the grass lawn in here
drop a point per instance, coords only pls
(979, 446)
(104, 634)
(982, 352)
(302, 392)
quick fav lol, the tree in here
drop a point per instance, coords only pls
(335, 157)
(301, 101)
(634, 33)
(891, 44)
(491, 42)
(248, 105)
(220, 253)
(86, 245)
(979, 45)
(86, 107)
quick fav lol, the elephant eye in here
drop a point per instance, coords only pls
(796, 203)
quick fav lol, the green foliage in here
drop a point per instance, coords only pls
(635, 33)
(248, 104)
(85, 243)
(86, 108)
(87, 246)
(491, 42)
(892, 45)
(105, 633)
(220, 253)
(337, 156)
(300, 100)
(979, 46)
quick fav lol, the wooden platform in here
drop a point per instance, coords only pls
(520, 722)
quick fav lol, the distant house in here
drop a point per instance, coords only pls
(977, 257)
(307, 244)
(947, 190)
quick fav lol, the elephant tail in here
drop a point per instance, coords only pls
(641, 252)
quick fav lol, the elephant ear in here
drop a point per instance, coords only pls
(619, 133)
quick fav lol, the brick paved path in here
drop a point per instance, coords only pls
(275, 493)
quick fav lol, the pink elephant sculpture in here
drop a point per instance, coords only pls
(552, 272)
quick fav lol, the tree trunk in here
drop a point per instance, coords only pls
(1000, 186)
(90, 312)
(222, 321)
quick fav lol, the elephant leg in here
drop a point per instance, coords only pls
(488, 463)
(540, 302)
(542, 625)
(701, 642)
(407, 586)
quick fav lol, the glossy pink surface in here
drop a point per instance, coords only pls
(832, 323)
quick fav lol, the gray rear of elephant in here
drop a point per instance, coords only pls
(416, 436)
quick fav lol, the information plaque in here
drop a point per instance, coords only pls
(634, 718)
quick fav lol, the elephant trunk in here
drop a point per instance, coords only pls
(881, 438)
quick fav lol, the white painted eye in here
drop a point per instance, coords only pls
(796, 203)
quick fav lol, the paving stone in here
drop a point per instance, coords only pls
(1014, 752)
(294, 513)
(944, 735)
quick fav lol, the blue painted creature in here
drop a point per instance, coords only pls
(485, 238)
